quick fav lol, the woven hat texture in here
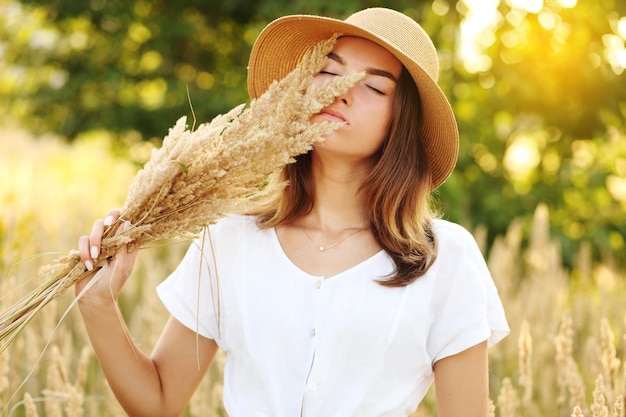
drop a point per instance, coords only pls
(282, 43)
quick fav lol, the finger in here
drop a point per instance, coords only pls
(95, 239)
(124, 258)
(121, 229)
(121, 253)
(122, 263)
(84, 252)
(111, 217)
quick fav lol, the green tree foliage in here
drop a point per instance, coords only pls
(120, 65)
(541, 116)
(539, 89)
(126, 65)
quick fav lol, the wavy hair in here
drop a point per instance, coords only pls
(396, 193)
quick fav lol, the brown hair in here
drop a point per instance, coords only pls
(396, 193)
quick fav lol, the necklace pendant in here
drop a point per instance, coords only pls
(322, 249)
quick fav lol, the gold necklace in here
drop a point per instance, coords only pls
(324, 248)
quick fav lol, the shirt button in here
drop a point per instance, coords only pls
(313, 332)
(312, 386)
(318, 284)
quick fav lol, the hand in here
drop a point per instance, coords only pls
(112, 276)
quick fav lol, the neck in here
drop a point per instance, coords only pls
(338, 204)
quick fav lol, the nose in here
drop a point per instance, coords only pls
(345, 97)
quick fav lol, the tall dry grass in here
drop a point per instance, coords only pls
(564, 357)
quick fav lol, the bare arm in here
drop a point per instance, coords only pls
(462, 383)
(160, 385)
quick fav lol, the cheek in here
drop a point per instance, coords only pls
(375, 128)
(380, 118)
(379, 126)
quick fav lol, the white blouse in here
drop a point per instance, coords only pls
(302, 345)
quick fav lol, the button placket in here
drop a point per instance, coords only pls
(318, 286)
(310, 385)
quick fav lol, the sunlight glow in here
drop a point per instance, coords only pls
(152, 92)
(13, 13)
(532, 6)
(583, 154)
(621, 27)
(617, 187)
(515, 17)
(615, 52)
(43, 38)
(441, 7)
(481, 18)
(522, 157)
(58, 78)
(476, 34)
(78, 40)
(548, 19)
(568, 3)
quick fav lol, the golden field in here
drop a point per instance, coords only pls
(566, 346)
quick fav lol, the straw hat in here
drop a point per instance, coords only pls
(283, 42)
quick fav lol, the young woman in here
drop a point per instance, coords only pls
(343, 295)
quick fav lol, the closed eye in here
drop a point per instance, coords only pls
(376, 90)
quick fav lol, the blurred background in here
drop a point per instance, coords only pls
(87, 89)
(538, 88)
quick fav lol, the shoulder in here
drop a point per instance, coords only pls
(452, 236)
(232, 230)
(457, 249)
(234, 223)
(237, 220)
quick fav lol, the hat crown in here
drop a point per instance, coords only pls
(283, 42)
(403, 33)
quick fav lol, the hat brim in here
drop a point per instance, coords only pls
(282, 44)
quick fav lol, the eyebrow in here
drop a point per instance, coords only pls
(368, 70)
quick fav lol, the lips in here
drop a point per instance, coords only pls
(333, 115)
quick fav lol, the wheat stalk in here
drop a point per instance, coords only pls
(599, 407)
(608, 358)
(508, 399)
(198, 176)
(525, 379)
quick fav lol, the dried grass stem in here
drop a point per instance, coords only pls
(198, 176)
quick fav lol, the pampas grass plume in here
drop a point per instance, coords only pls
(198, 176)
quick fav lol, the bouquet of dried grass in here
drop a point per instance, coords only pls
(201, 175)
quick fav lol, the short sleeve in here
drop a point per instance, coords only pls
(466, 306)
(190, 292)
